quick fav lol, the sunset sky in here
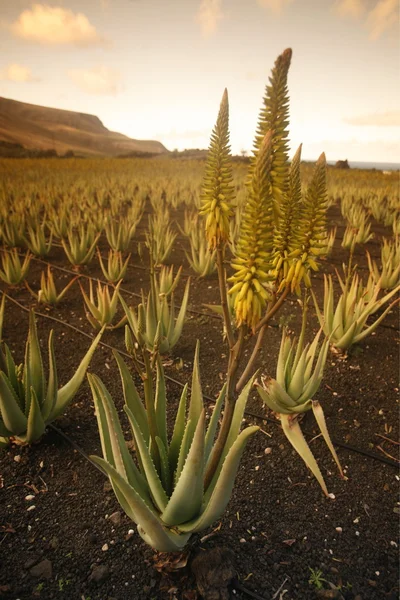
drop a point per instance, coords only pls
(156, 69)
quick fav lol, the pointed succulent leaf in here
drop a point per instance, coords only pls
(11, 414)
(179, 429)
(291, 429)
(68, 391)
(112, 440)
(151, 528)
(132, 398)
(218, 500)
(320, 418)
(155, 486)
(186, 500)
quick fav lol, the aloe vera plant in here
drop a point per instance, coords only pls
(48, 292)
(299, 374)
(28, 403)
(37, 241)
(164, 493)
(13, 272)
(101, 313)
(389, 274)
(155, 315)
(80, 244)
(116, 267)
(347, 323)
(120, 233)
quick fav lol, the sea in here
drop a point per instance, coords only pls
(381, 166)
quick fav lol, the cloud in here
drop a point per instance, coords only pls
(383, 17)
(17, 73)
(379, 16)
(208, 15)
(385, 119)
(276, 6)
(54, 25)
(100, 80)
(349, 8)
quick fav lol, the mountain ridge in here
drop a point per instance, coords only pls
(43, 128)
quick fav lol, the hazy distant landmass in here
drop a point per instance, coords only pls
(41, 128)
(380, 166)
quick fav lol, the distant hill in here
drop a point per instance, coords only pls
(41, 128)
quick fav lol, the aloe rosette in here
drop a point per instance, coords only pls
(28, 403)
(155, 316)
(299, 374)
(346, 324)
(164, 492)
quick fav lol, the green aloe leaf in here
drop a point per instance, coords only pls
(12, 416)
(181, 316)
(187, 496)
(52, 384)
(155, 486)
(212, 427)
(36, 425)
(36, 371)
(218, 500)
(112, 440)
(132, 398)
(151, 528)
(68, 391)
(160, 404)
(179, 430)
(291, 429)
(320, 418)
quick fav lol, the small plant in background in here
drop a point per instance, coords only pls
(13, 272)
(28, 403)
(120, 233)
(346, 324)
(101, 313)
(12, 231)
(48, 291)
(155, 316)
(116, 268)
(37, 241)
(80, 244)
(160, 238)
(388, 275)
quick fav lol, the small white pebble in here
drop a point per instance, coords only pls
(256, 468)
(357, 533)
(131, 532)
(338, 529)
(392, 543)
(331, 496)
(17, 458)
(267, 450)
(377, 573)
(105, 547)
(32, 507)
(242, 541)
(29, 497)
(41, 464)
(30, 529)
(356, 520)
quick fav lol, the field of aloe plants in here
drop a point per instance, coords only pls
(199, 374)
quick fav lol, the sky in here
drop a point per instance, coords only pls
(157, 69)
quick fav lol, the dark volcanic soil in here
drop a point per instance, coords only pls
(63, 534)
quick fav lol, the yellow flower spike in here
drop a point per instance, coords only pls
(218, 191)
(253, 257)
